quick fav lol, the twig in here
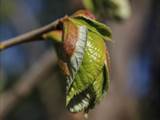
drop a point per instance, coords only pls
(39, 71)
(34, 35)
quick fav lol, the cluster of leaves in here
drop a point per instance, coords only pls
(83, 58)
(114, 9)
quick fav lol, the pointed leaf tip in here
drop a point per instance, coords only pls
(84, 13)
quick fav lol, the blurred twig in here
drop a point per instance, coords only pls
(39, 71)
(28, 37)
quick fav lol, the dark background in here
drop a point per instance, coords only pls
(135, 57)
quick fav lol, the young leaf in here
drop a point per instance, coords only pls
(54, 35)
(83, 59)
(83, 86)
(94, 26)
(89, 4)
(82, 18)
(77, 57)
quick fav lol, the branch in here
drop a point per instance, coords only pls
(35, 35)
(39, 71)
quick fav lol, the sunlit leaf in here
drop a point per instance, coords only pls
(101, 29)
(84, 82)
(83, 59)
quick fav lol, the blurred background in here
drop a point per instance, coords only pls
(32, 88)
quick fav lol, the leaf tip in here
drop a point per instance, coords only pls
(84, 13)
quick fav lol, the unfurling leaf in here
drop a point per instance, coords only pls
(114, 9)
(83, 59)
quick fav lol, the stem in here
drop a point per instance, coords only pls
(35, 35)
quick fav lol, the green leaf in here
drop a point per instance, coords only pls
(120, 9)
(115, 9)
(77, 57)
(56, 35)
(83, 59)
(94, 26)
(101, 84)
(89, 4)
(91, 67)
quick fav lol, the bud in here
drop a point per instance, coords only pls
(83, 58)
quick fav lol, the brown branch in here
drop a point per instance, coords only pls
(39, 71)
(28, 37)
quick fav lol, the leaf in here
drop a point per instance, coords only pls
(115, 9)
(89, 4)
(70, 36)
(55, 35)
(91, 67)
(83, 59)
(121, 9)
(84, 13)
(94, 26)
(77, 57)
